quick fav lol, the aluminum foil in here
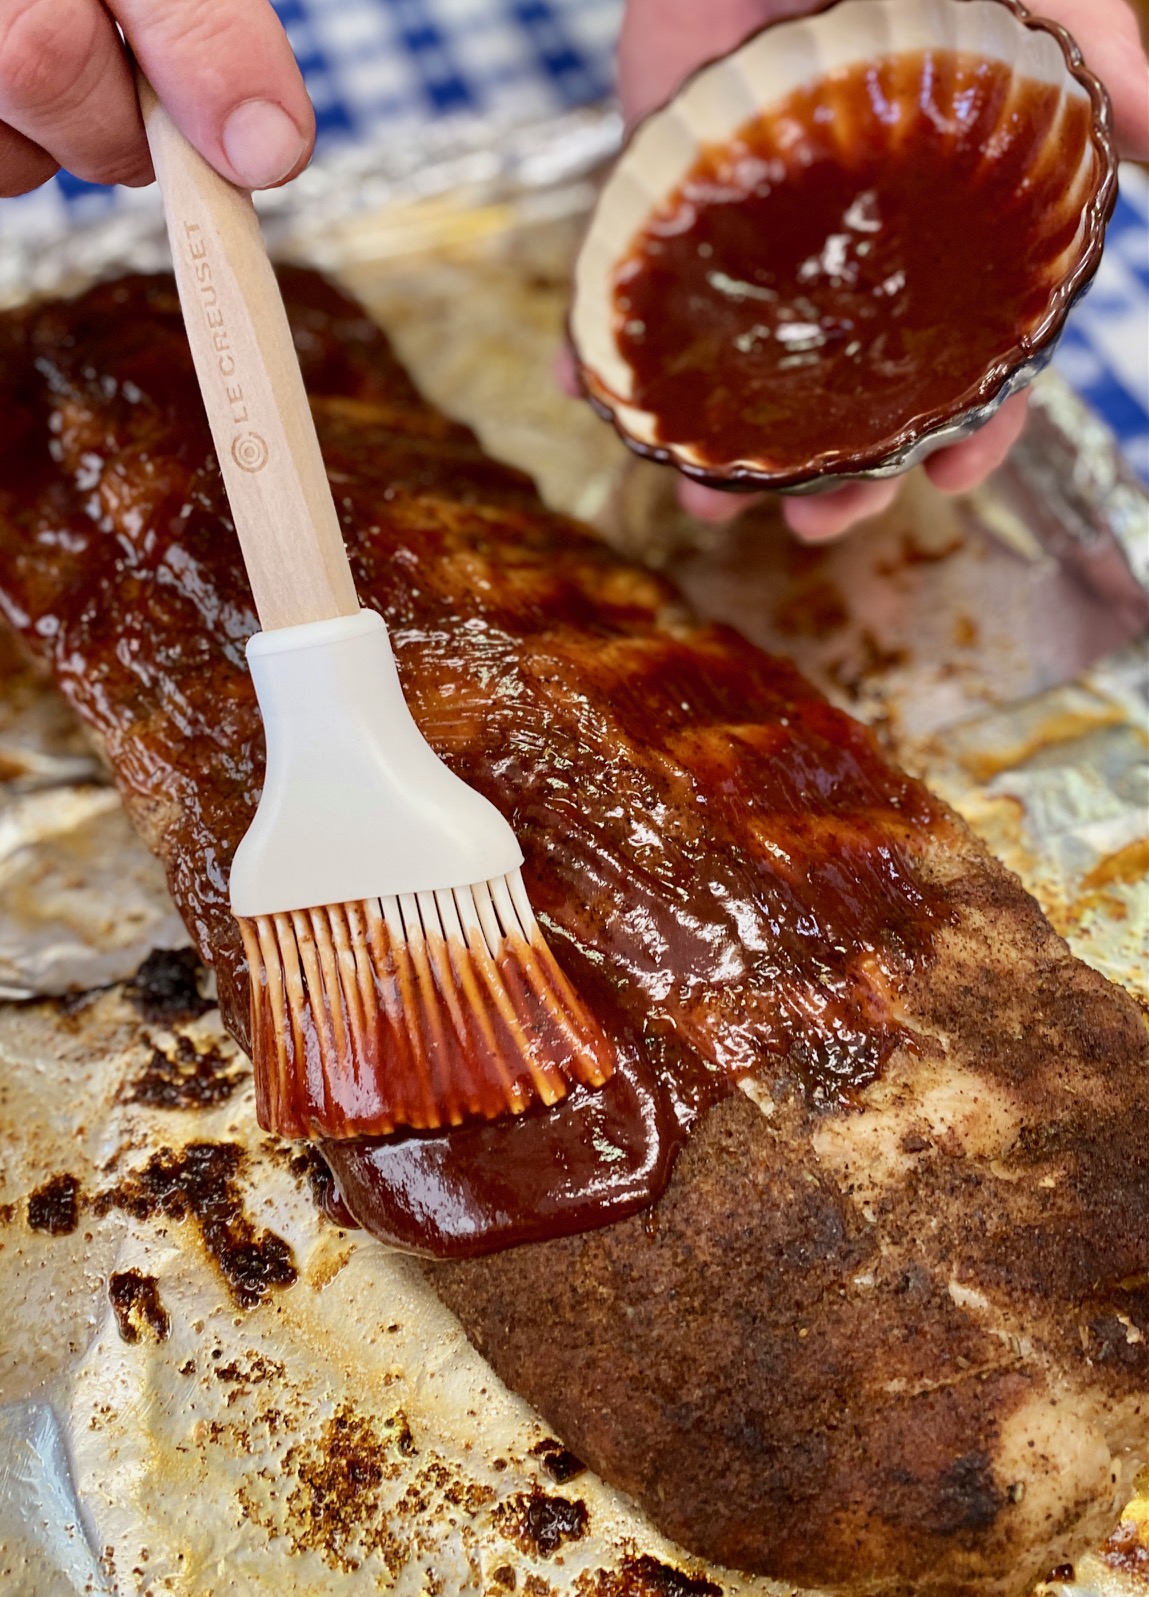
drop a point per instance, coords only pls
(81, 903)
(162, 1431)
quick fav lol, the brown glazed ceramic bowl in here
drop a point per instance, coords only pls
(858, 76)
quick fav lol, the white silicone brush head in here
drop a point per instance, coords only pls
(355, 803)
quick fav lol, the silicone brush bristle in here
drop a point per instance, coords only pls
(421, 1011)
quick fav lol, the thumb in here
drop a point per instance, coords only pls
(226, 74)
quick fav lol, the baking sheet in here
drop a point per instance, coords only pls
(336, 1432)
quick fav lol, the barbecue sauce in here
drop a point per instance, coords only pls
(860, 258)
(596, 1157)
(726, 867)
(767, 929)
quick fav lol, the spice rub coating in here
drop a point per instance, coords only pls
(896, 1350)
(887, 1326)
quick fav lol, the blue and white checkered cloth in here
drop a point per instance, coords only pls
(376, 66)
(371, 64)
(1104, 353)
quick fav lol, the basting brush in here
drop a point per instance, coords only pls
(399, 977)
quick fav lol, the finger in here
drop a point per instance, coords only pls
(965, 465)
(23, 165)
(712, 504)
(65, 85)
(1110, 41)
(663, 40)
(819, 517)
(566, 372)
(225, 72)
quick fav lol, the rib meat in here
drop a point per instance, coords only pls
(887, 1327)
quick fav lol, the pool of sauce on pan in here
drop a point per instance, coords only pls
(854, 261)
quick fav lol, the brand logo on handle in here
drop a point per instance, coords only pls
(249, 451)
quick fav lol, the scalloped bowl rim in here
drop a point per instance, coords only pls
(710, 96)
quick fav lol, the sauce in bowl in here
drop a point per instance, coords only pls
(860, 258)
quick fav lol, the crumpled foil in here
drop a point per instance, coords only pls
(81, 904)
(170, 1421)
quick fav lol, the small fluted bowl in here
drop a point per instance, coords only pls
(712, 112)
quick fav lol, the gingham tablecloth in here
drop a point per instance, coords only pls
(390, 65)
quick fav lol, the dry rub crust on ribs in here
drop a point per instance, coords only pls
(903, 1350)
(900, 1345)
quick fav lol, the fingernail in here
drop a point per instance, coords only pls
(262, 143)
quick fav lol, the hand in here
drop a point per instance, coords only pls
(223, 68)
(664, 40)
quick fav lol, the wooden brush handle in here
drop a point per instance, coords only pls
(252, 387)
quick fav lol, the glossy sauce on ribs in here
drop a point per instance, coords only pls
(722, 862)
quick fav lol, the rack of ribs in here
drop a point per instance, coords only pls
(845, 1275)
